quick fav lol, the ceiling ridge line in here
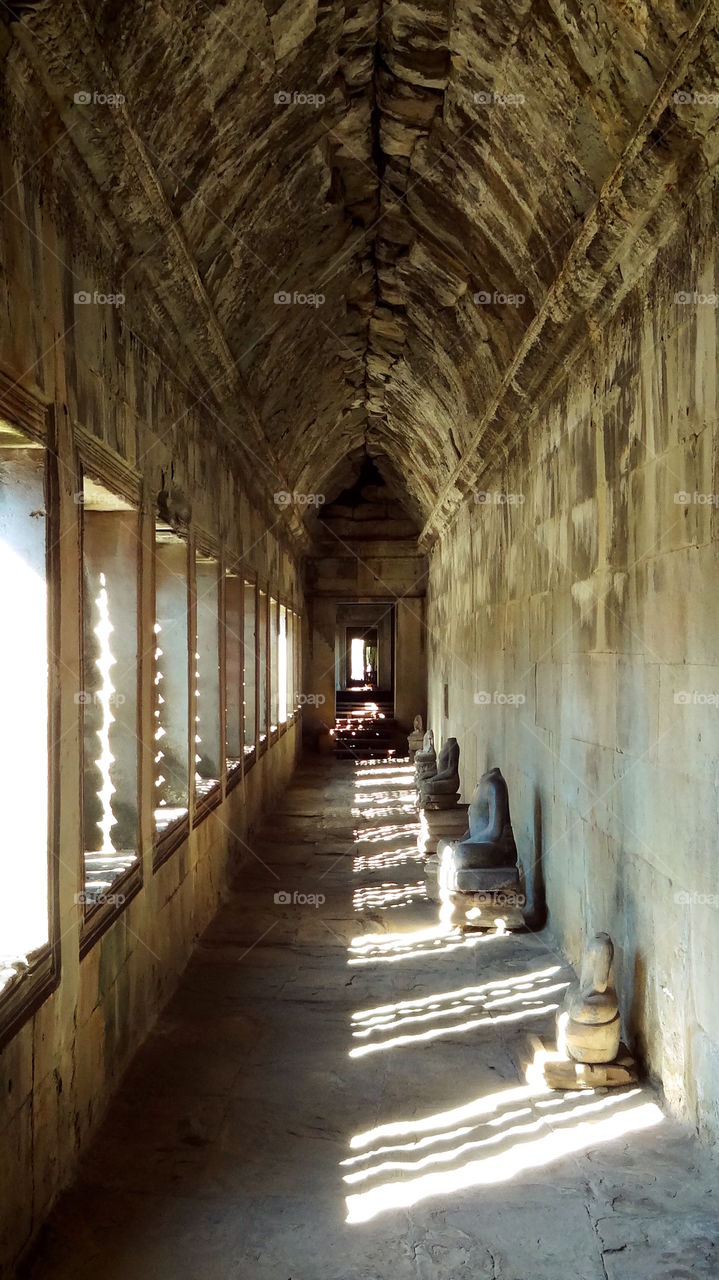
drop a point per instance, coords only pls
(388, 325)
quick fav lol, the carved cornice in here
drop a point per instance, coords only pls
(188, 307)
(559, 298)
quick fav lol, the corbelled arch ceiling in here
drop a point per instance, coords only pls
(453, 196)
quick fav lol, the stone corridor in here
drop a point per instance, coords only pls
(337, 1092)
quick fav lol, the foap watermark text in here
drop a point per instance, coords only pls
(496, 698)
(286, 499)
(497, 498)
(497, 298)
(298, 98)
(284, 298)
(98, 98)
(83, 298)
(283, 898)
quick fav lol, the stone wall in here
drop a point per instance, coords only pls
(109, 378)
(572, 615)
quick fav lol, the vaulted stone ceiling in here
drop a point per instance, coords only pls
(413, 164)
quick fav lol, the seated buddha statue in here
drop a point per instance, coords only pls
(445, 782)
(589, 1023)
(415, 738)
(485, 859)
(425, 761)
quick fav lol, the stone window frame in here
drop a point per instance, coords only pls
(263, 587)
(249, 578)
(297, 673)
(94, 460)
(273, 629)
(285, 602)
(206, 545)
(166, 842)
(232, 566)
(35, 417)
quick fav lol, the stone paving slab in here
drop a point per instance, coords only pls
(336, 1092)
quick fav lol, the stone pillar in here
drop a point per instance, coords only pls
(208, 747)
(172, 712)
(250, 665)
(410, 681)
(233, 666)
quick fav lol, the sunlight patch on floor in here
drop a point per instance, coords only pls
(583, 1126)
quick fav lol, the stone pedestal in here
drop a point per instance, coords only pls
(437, 820)
(431, 871)
(483, 910)
(552, 1069)
(443, 802)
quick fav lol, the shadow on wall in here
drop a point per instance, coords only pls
(536, 914)
(637, 1009)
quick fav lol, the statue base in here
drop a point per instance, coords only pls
(595, 1043)
(564, 1073)
(434, 823)
(446, 800)
(485, 910)
(431, 871)
(480, 881)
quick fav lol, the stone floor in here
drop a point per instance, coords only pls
(337, 1093)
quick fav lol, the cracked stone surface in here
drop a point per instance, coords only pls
(299, 1028)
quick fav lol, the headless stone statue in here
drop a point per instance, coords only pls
(415, 738)
(425, 761)
(485, 859)
(443, 786)
(589, 1020)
